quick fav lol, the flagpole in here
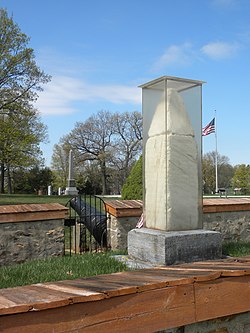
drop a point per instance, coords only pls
(216, 156)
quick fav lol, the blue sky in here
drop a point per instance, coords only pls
(99, 51)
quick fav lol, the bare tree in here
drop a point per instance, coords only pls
(106, 143)
(127, 144)
(60, 162)
(92, 141)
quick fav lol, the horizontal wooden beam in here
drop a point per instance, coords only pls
(226, 205)
(124, 208)
(222, 297)
(150, 311)
(32, 212)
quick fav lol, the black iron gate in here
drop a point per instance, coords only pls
(86, 225)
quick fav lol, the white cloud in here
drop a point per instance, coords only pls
(62, 92)
(225, 3)
(220, 50)
(185, 54)
(180, 55)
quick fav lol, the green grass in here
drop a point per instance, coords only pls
(16, 199)
(59, 268)
(236, 249)
(78, 266)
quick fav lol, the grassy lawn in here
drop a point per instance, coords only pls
(59, 268)
(78, 266)
(16, 199)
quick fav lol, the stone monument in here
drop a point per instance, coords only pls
(172, 176)
(49, 190)
(71, 188)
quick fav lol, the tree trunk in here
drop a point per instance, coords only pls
(2, 178)
(9, 181)
(104, 177)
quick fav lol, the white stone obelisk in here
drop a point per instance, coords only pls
(171, 169)
(172, 231)
(71, 188)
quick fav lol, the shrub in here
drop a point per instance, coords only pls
(133, 187)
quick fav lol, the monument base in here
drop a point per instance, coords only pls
(71, 191)
(173, 247)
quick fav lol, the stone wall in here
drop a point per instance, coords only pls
(123, 216)
(31, 232)
(234, 226)
(230, 217)
(118, 228)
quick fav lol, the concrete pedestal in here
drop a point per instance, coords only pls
(168, 248)
(71, 191)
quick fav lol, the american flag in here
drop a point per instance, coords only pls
(140, 222)
(210, 128)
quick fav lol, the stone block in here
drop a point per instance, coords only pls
(168, 248)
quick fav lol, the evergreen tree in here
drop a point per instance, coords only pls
(133, 187)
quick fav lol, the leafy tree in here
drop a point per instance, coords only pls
(89, 179)
(20, 78)
(133, 188)
(20, 136)
(225, 171)
(21, 130)
(60, 162)
(33, 180)
(241, 178)
(208, 169)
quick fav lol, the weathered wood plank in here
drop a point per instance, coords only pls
(148, 311)
(226, 268)
(148, 279)
(27, 217)
(196, 274)
(102, 285)
(32, 212)
(78, 295)
(8, 307)
(34, 297)
(225, 205)
(222, 297)
(124, 208)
